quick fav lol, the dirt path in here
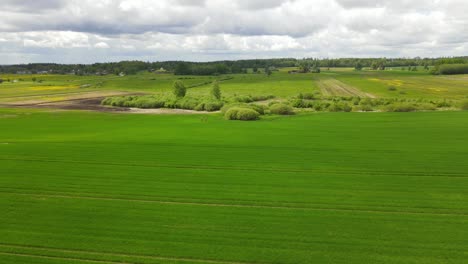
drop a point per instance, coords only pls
(333, 87)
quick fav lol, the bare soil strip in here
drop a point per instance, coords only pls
(92, 102)
(109, 254)
(85, 101)
(333, 87)
(45, 98)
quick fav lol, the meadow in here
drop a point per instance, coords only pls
(316, 187)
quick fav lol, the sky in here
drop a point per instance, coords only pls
(88, 31)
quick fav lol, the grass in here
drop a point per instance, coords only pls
(87, 187)
(345, 81)
(323, 188)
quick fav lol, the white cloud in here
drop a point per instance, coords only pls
(101, 45)
(225, 29)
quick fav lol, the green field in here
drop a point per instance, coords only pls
(86, 187)
(410, 85)
(317, 187)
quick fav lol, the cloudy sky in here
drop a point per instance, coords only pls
(86, 31)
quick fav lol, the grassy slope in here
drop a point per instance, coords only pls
(325, 188)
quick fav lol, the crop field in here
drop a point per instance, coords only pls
(88, 187)
(333, 87)
(333, 82)
(315, 187)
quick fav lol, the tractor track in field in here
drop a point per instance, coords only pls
(333, 87)
(351, 172)
(257, 206)
(62, 258)
(109, 254)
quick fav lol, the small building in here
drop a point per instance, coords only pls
(161, 71)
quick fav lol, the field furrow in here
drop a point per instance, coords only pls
(333, 87)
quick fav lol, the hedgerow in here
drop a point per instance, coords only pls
(250, 98)
(150, 101)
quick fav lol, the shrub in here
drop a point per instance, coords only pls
(186, 103)
(179, 89)
(400, 107)
(340, 107)
(307, 96)
(258, 108)
(464, 105)
(356, 100)
(213, 106)
(300, 103)
(243, 99)
(443, 104)
(262, 98)
(244, 114)
(146, 102)
(426, 107)
(216, 91)
(281, 109)
(250, 99)
(364, 108)
(209, 106)
(392, 88)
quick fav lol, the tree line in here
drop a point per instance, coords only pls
(225, 67)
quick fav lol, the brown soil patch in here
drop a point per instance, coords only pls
(88, 101)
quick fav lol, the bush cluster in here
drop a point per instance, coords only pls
(281, 109)
(149, 101)
(464, 105)
(307, 96)
(348, 104)
(241, 113)
(250, 98)
(258, 108)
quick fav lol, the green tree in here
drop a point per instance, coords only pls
(268, 71)
(304, 66)
(183, 68)
(179, 89)
(216, 91)
(358, 66)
